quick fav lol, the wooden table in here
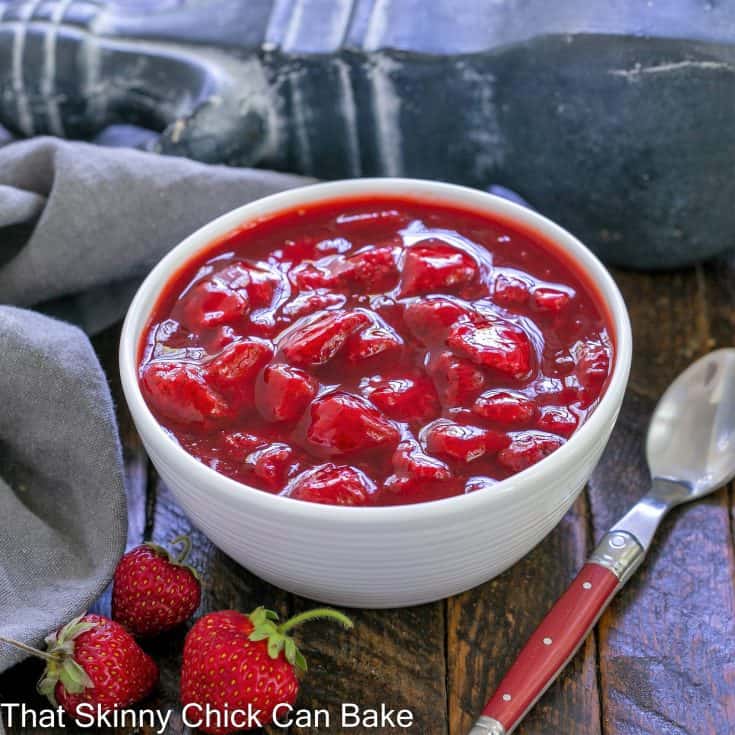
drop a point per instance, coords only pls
(662, 659)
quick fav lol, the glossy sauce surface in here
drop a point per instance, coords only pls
(375, 352)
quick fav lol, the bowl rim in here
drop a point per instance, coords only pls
(578, 445)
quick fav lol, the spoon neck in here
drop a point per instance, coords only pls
(644, 518)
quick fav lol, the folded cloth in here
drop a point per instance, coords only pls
(80, 225)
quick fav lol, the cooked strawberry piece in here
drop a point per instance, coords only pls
(333, 485)
(432, 265)
(505, 407)
(342, 423)
(274, 464)
(527, 448)
(550, 299)
(234, 371)
(593, 365)
(321, 338)
(510, 291)
(238, 444)
(217, 340)
(430, 318)
(265, 281)
(311, 301)
(411, 462)
(236, 275)
(286, 393)
(592, 369)
(557, 420)
(224, 446)
(180, 392)
(460, 441)
(376, 339)
(309, 276)
(404, 399)
(495, 344)
(457, 380)
(373, 269)
(211, 303)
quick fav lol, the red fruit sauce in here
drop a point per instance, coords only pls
(375, 351)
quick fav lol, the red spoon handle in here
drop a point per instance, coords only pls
(559, 636)
(552, 644)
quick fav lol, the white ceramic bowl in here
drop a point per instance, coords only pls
(392, 556)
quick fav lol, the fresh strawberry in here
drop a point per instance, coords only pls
(341, 423)
(505, 406)
(495, 344)
(333, 485)
(432, 265)
(151, 592)
(236, 662)
(179, 392)
(96, 662)
(286, 393)
(321, 338)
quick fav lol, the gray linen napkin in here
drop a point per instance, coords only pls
(80, 225)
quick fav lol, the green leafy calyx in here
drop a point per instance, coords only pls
(180, 559)
(266, 628)
(60, 663)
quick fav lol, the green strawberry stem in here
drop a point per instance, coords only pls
(29, 649)
(185, 542)
(266, 628)
(320, 613)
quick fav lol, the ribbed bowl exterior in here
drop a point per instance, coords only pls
(377, 557)
(379, 565)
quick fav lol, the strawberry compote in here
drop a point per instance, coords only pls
(375, 351)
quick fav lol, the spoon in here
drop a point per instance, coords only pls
(691, 452)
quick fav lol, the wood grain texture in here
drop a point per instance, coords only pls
(667, 644)
(391, 657)
(488, 626)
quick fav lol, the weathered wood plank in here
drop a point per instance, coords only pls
(488, 626)
(668, 641)
(391, 657)
(720, 277)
